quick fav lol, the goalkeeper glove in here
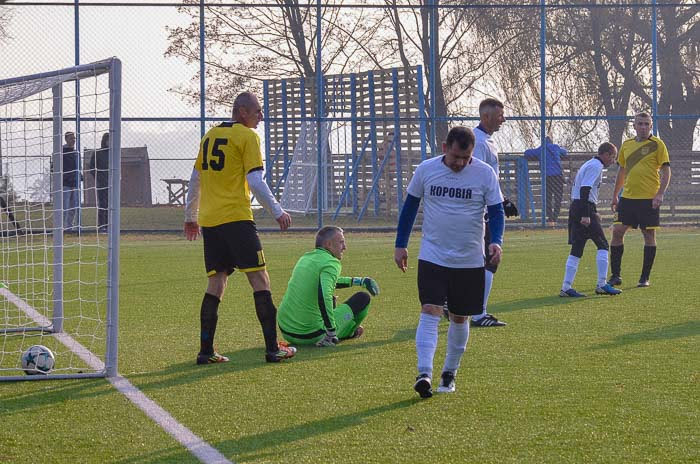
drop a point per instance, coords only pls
(330, 339)
(509, 208)
(369, 283)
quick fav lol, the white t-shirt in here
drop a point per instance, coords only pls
(453, 210)
(589, 175)
(485, 150)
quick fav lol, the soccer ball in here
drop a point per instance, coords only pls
(37, 359)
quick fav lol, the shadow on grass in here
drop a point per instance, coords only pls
(251, 358)
(533, 303)
(686, 329)
(286, 435)
(55, 392)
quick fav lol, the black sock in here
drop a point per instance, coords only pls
(208, 317)
(649, 255)
(616, 259)
(267, 315)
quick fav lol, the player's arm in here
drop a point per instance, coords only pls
(497, 224)
(192, 207)
(367, 282)
(403, 230)
(265, 197)
(665, 178)
(619, 182)
(326, 285)
(585, 193)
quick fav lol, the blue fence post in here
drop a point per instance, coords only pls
(373, 137)
(421, 113)
(269, 163)
(543, 108)
(285, 123)
(654, 96)
(319, 115)
(353, 135)
(202, 81)
(397, 138)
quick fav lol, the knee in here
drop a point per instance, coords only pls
(217, 284)
(577, 249)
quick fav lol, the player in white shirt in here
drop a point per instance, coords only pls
(456, 189)
(491, 117)
(584, 222)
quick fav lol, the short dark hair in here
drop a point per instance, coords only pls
(243, 100)
(325, 234)
(104, 143)
(642, 114)
(606, 147)
(488, 104)
(462, 136)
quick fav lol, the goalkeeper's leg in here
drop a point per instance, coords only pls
(350, 314)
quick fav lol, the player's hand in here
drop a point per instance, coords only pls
(509, 208)
(371, 285)
(284, 220)
(330, 339)
(495, 252)
(658, 199)
(191, 230)
(586, 221)
(613, 205)
(401, 258)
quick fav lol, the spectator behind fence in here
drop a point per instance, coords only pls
(71, 182)
(99, 167)
(553, 174)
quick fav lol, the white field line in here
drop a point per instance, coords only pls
(206, 453)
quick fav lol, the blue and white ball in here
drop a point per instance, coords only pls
(38, 359)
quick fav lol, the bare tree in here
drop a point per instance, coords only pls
(5, 16)
(248, 44)
(461, 58)
(599, 63)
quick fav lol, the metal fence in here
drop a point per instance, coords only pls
(575, 70)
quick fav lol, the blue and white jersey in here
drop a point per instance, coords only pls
(485, 150)
(453, 210)
(589, 175)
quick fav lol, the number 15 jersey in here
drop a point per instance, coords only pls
(227, 153)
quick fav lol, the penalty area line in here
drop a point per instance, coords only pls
(206, 453)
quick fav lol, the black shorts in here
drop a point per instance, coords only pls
(637, 213)
(232, 245)
(580, 233)
(463, 289)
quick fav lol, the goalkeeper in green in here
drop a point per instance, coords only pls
(308, 314)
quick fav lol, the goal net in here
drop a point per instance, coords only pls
(301, 182)
(59, 219)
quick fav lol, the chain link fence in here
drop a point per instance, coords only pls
(572, 70)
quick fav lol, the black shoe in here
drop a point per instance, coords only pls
(615, 281)
(488, 321)
(447, 382)
(213, 358)
(284, 351)
(424, 386)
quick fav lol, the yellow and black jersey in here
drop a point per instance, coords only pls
(642, 161)
(227, 153)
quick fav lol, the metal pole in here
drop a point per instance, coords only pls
(202, 79)
(115, 134)
(319, 122)
(57, 189)
(421, 113)
(543, 108)
(268, 150)
(433, 76)
(654, 95)
(397, 140)
(76, 40)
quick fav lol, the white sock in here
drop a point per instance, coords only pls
(488, 283)
(426, 342)
(570, 272)
(601, 260)
(457, 338)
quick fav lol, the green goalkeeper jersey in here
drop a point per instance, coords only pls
(307, 306)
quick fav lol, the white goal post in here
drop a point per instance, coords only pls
(60, 219)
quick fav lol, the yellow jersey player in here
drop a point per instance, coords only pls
(645, 171)
(229, 166)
